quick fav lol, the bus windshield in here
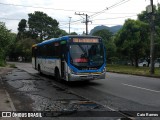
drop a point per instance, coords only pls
(86, 55)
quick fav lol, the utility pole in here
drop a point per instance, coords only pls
(86, 21)
(152, 39)
(69, 24)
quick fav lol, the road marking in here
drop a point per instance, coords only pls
(141, 88)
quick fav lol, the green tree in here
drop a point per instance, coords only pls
(62, 32)
(146, 17)
(132, 40)
(39, 27)
(6, 39)
(22, 29)
(108, 40)
(73, 33)
(42, 25)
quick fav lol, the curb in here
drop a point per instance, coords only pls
(9, 98)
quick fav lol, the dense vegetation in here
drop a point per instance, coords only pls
(6, 40)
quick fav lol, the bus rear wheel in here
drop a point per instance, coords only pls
(39, 70)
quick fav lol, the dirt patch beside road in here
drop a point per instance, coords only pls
(5, 70)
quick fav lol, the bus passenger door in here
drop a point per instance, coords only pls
(63, 50)
(34, 57)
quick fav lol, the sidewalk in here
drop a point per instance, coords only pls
(6, 103)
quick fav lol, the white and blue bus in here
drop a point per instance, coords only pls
(71, 58)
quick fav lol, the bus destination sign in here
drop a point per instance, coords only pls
(85, 40)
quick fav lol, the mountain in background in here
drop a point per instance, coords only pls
(113, 29)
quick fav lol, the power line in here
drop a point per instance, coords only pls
(9, 18)
(105, 24)
(21, 19)
(98, 20)
(120, 13)
(91, 25)
(72, 22)
(100, 12)
(118, 4)
(112, 6)
(44, 8)
(115, 18)
(74, 27)
(65, 23)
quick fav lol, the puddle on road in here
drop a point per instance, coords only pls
(45, 104)
(28, 86)
(62, 106)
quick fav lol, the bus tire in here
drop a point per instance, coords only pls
(39, 70)
(57, 75)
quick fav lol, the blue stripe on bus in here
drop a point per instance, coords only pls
(84, 71)
(66, 38)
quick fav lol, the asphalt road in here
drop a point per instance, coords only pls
(142, 90)
(123, 92)
(117, 92)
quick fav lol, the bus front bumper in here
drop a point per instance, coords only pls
(83, 77)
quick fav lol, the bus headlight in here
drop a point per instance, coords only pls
(104, 69)
(71, 71)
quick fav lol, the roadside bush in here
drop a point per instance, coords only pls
(2, 63)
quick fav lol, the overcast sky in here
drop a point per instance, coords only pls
(61, 10)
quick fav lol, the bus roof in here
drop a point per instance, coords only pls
(66, 38)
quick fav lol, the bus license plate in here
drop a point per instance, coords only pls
(90, 77)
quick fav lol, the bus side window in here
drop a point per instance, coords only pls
(52, 51)
(44, 51)
(40, 51)
(49, 50)
(57, 50)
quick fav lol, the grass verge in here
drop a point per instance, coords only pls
(143, 71)
(12, 65)
(4, 64)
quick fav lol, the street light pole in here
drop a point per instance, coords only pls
(69, 23)
(152, 40)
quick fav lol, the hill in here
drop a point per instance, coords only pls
(112, 29)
